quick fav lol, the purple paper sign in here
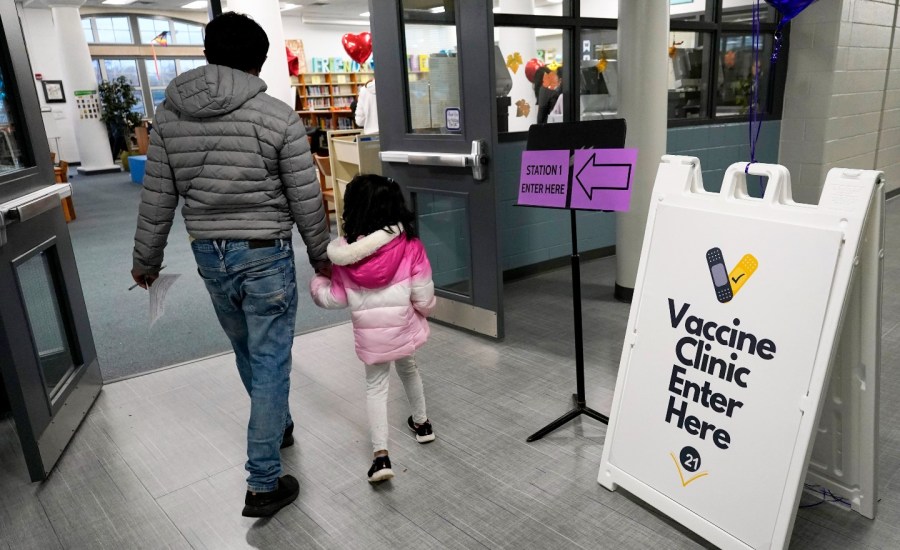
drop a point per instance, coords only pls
(602, 179)
(544, 180)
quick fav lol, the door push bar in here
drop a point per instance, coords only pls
(32, 205)
(477, 159)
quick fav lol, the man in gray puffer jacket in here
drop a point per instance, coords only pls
(240, 159)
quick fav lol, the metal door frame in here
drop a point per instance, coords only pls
(45, 428)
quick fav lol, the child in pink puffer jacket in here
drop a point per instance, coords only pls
(381, 271)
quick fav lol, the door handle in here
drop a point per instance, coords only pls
(30, 206)
(477, 159)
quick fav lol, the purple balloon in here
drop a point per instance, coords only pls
(789, 9)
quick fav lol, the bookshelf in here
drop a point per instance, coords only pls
(323, 99)
(352, 153)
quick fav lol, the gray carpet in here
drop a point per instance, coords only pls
(102, 236)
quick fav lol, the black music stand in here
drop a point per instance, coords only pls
(593, 134)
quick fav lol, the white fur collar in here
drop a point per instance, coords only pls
(340, 252)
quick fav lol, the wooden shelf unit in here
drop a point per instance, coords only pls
(323, 99)
(351, 153)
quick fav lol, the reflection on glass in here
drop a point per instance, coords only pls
(736, 74)
(188, 34)
(688, 67)
(88, 30)
(122, 67)
(443, 222)
(188, 64)
(166, 71)
(741, 11)
(139, 107)
(522, 92)
(113, 30)
(432, 64)
(691, 10)
(11, 155)
(607, 9)
(538, 7)
(151, 28)
(598, 74)
(39, 293)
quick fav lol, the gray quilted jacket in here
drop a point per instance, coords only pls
(240, 159)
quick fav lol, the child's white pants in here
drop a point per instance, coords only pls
(377, 393)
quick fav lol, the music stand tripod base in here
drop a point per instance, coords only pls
(580, 408)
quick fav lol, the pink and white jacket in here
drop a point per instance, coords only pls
(386, 280)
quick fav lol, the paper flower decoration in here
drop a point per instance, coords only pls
(522, 108)
(513, 61)
(551, 80)
(601, 65)
(729, 59)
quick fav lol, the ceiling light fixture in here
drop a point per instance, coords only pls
(337, 22)
(199, 5)
(365, 14)
(439, 9)
(285, 6)
(118, 2)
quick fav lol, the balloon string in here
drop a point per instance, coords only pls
(755, 115)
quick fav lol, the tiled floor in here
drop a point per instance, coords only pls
(159, 461)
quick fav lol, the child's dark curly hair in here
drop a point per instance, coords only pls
(373, 202)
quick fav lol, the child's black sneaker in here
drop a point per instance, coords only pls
(263, 505)
(380, 470)
(424, 433)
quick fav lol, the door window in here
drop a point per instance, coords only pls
(40, 296)
(12, 156)
(444, 229)
(432, 65)
(529, 80)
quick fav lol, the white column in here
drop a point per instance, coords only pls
(275, 70)
(643, 38)
(514, 40)
(91, 136)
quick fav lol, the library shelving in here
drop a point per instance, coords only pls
(323, 99)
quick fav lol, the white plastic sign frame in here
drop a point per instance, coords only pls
(719, 389)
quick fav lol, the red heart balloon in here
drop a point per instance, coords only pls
(358, 46)
(531, 67)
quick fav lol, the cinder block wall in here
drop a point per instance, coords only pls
(842, 96)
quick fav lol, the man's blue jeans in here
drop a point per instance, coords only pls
(254, 292)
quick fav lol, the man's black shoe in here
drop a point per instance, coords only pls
(263, 505)
(288, 438)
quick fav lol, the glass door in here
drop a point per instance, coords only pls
(437, 120)
(49, 373)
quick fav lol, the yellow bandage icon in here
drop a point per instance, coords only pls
(742, 271)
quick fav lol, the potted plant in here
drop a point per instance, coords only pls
(117, 97)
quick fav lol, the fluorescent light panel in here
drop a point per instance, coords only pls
(118, 2)
(439, 9)
(286, 6)
(365, 14)
(199, 5)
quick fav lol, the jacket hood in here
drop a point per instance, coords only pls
(371, 261)
(370, 87)
(212, 90)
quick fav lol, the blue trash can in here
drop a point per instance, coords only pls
(136, 165)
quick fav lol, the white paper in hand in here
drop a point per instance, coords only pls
(158, 291)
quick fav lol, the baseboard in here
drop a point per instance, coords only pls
(526, 271)
(891, 194)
